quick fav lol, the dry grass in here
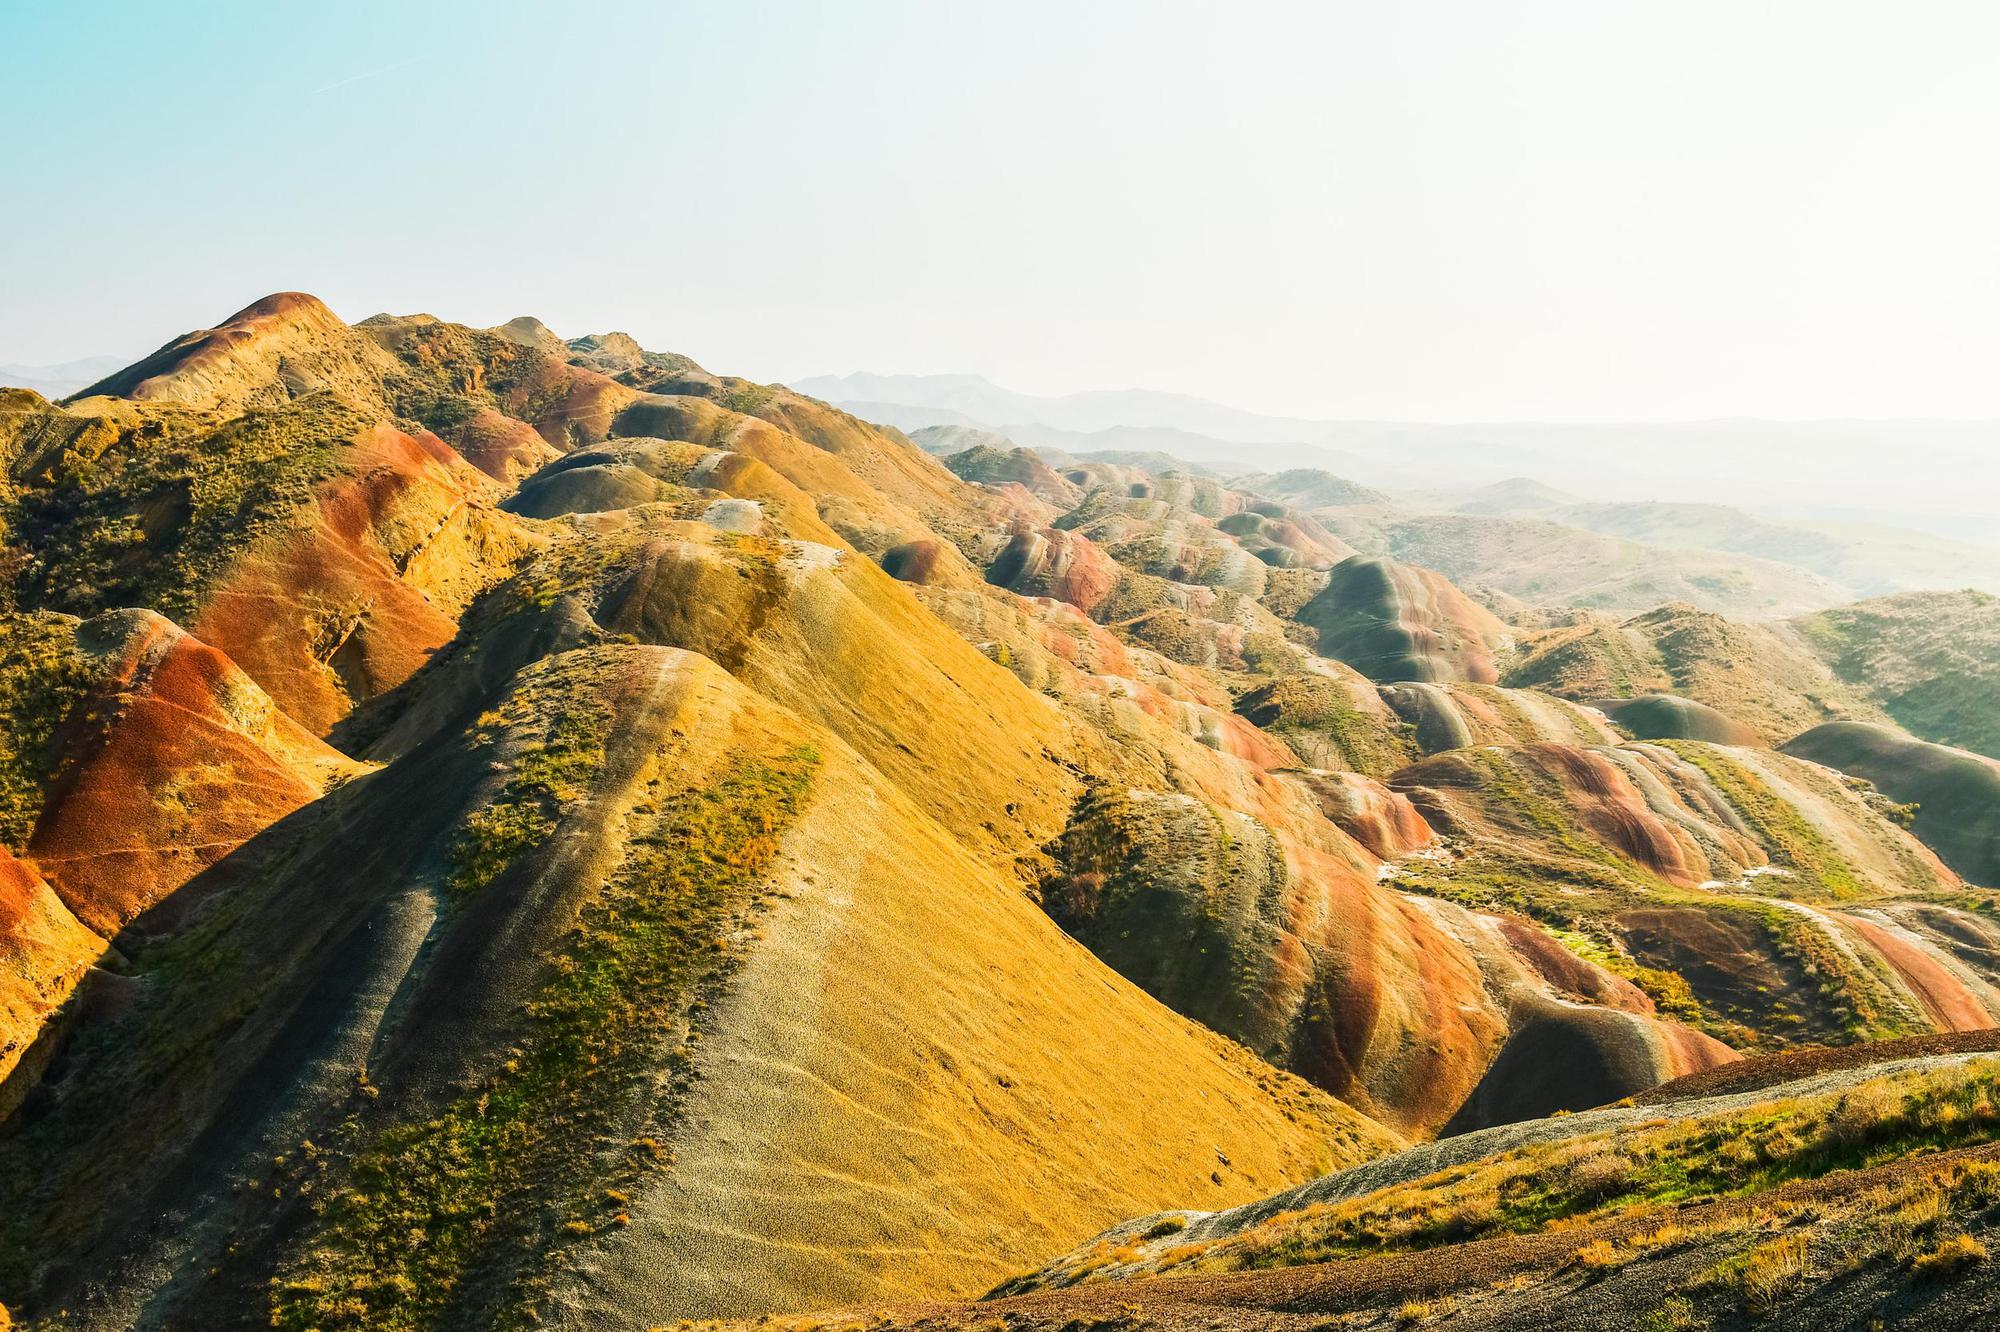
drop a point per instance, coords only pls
(1950, 1259)
(1773, 1272)
(1413, 1313)
(1602, 1256)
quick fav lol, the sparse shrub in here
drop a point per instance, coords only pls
(1667, 1236)
(1166, 1225)
(1950, 1260)
(1860, 1112)
(1676, 1315)
(1773, 1272)
(1977, 1185)
(1600, 1175)
(1460, 1220)
(1601, 1256)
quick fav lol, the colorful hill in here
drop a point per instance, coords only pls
(502, 831)
(1873, 1199)
(1393, 622)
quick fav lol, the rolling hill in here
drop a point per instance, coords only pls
(499, 830)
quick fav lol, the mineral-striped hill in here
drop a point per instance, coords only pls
(502, 831)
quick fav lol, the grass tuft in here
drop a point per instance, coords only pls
(1950, 1260)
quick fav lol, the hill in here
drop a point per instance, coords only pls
(1547, 562)
(1931, 660)
(1394, 622)
(504, 830)
(1954, 796)
(1762, 677)
(1639, 1218)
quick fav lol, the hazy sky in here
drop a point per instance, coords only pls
(1474, 210)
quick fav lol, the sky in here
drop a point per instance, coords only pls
(1537, 210)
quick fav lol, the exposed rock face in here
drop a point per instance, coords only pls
(1282, 943)
(283, 347)
(350, 597)
(504, 448)
(146, 756)
(325, 556)
(1807, 891)
(1383, 821)
(1572, 1057)
(1056, 564)
(992, 466)
(1456, 716)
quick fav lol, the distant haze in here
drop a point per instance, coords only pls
(1538, 210)
(1934, 476)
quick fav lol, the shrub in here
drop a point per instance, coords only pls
(1951, 1259)
(1676, 1315)
(1773, 1272)
(1601, 1256)
(1860, 1111)
(1600, 1175)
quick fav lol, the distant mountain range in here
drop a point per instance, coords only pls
(62, 379)
(1940, 484)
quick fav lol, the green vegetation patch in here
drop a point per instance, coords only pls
(1931, 659)
(1668, 990)
(1792, 841)
(477, 1203)
(749, 399)
(549, 770)
(1320, 719)
(151, 518)
(42, 678)
(1658, 1163)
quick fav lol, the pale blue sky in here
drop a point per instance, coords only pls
(1525, 210)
